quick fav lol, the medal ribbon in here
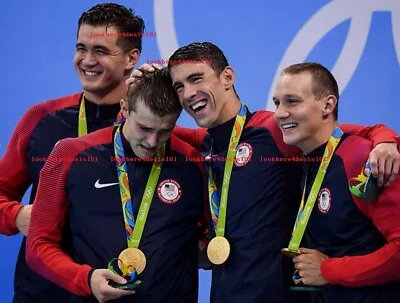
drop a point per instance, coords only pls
(82, 123)
(303, 216)
(217, 206)
(134, 231)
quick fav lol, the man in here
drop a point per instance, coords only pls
(259, 197)
(103, 63)
(352, 235)
(94, 216)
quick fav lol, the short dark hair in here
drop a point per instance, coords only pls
(205, 52)
(156, 92)
(324, 83)
(124, 19)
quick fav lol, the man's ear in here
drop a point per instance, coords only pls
(328, 105)
(228, 77)
(132, 59)
(124, 108)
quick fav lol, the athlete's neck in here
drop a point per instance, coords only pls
(228, 111)
(111, 97)
(321, 136)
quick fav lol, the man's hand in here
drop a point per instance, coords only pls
(385, 163)
(137, 73)
(100, 288)
(23, 218)
(309, 266)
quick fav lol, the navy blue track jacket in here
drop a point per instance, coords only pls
(94, 217)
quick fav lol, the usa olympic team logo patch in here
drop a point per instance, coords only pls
(169, 191)
(324, 200)
(243, 154)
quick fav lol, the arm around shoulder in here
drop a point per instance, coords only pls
(14, 177)
(381, 266)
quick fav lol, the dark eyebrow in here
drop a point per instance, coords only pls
(190, 78)
(175, 84)
(96, 47)
(164, 129)
(143, 126)
(195, 75)
(291, 97)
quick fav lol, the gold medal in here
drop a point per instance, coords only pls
(290, 253)
(218, 250)
(133, 257)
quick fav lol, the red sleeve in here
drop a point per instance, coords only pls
(383, 265)
(377, 134)
(49, 213)
(194, 137)
(14, 177)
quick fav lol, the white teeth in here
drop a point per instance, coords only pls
(289, 125)
(92, 73)
(198, 104)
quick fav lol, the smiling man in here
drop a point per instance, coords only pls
(351, 228)
(252, 202)
(149, 210)
(103, 64)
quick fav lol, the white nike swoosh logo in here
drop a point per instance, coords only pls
(98, 185)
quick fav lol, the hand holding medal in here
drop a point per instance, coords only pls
(308, 269)
(303, 217)
(127, 270)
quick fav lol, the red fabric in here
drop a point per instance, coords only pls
(377, 134)
(194, 137)
(14, 177)
(43, 252)
(383, 265)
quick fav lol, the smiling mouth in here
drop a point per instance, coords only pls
(198, 106)
(91, 73)
(287, 126)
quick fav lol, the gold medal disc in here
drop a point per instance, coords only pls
(133, 257)
(218, 250)
(290, 253)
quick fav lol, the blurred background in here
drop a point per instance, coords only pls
(359, 40)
